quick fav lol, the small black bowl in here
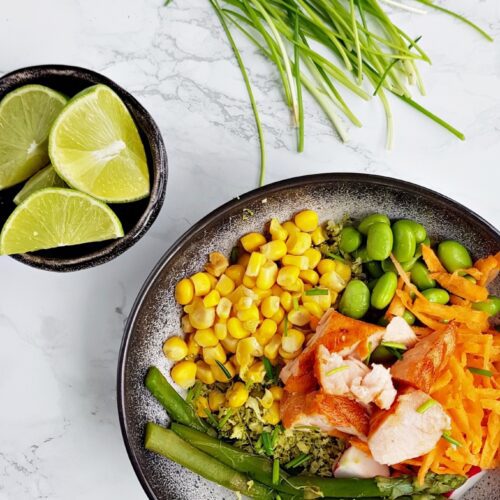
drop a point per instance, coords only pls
(136, 217)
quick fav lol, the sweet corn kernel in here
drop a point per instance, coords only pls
(186, 325)
(270, 306)
(252, 313)
(229, 343)
(267, 400)
(184, 291)
(246, 350)
(254, 264)
(206, 338)
(204, 373)
(200, 316)
(274, 250)
(220, 375)
(289, 355)
(299, 317)
(217, 264)
(267, 275)
(251, 325)
(286, 301)
(215, 400)
(277, 231)
(300, 261)
(261, 294)
(266, 331)
(256, 373)
(212, 279)
(314, 309)
(252, 241)
(333, 281)
(236, 329)
(319, 235)
(193, 347)
(298, 243)
(292, 341)
(249, 282)
(343, 270)
(309, 276)
(244, 303)
(278, 317)
(202, 284)
(243, 259)
(277, 392)
(237, 395)
(290, 227)
(201, 405)
(325, 266)
(225, 285)
(272, 348)
(184, 374)
(272, 415)
(276, 290)
(313, 256)
(220, 330)
(236, 273)
(175, 348)
(324, 301)
(213, 354)
(223, 309)
(234, 361)
(297, 286)
(307, 220)
(288, 275)
(211, 299)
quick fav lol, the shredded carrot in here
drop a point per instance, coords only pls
(461, 286)
(404, 276)
(426, 465)
(431, 260)
(489, 268)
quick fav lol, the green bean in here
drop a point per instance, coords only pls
(374, 269)
(418, 230)
(350, 239)
(355, 300)
(404, 241)
(372, 219)
(384, 290)
(437, 295)
(453, 256)
(420, 276)
(409, 317)
(379, 241)
(490, 306)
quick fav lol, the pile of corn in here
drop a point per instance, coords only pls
(265, 305)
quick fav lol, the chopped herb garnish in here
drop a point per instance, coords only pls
(269, 369)
(394, 345)
(193, 392)
(211, 418)
(425, 406)
(316, 291)
(225, 418)
(275, 435)
(224, 369)
(297, 461)
(235, 253)
(267, 443)
(295, 302)
(276, 471)
(336, 370)
(480, 371)
(247, 213)
(335, 256)
(447, 437)
(285, 327)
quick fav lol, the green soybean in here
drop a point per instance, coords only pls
(405, 242)
(383, 356)
(409, 317)
(372, 219)
(384, 290)
(490, 306)
(371, 284)
(355, 300)
(374, 269)
(379, 241)
(437, 295)
(350, 239)
(361, 253)
(454, 256)
(420, 276)
(418, 230)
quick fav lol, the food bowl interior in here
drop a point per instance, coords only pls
(156, 316)
(133, 216)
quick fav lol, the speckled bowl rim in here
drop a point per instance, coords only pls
(158, 167)
(241, 202)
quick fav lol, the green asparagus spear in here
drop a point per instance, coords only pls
(176, 407)
(170, 445)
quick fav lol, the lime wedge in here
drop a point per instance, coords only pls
(26, 115)
(57, 217)
(47, 177)
(95, 147)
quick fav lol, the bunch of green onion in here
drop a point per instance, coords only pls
(322, 45)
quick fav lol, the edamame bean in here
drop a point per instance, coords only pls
(454, 256)
(404, 241)
(355, 300)
(384, 290)
(374, 269)
(383, 356)
(371, 284)
(420, 276)
(350, 239)
(372, 219)
(379, 241)
(361, 253)
(490, 306)
(437, 295)
(418, 230)
(409, 317)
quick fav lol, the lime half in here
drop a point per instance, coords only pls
(47, 177)
(57, 217)
(26, 115)
(95, 147)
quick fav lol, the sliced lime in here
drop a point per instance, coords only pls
(95, 147)
(56, 217)
(26, 115)
(47, 177)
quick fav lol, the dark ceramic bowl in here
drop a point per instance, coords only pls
(136, 217)
(155, 315)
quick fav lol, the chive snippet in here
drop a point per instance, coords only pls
(295, 302)
(394, 345)
(266, 443)
(224, 369)
(425, 406)
(285, 326)
(447, 436)
(211, 418)
(269, 369)
(223, 421)
(336, 370)
(480, 371)
(316, 291)
(299, 460)
(276, 472)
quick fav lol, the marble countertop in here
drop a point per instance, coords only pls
(59, 431)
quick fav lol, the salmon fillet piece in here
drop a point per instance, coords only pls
(334, 415)
(338, 333)
(422, 364)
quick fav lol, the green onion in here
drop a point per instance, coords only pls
(447, 437)
(193, 392)
(224, 369)
(336, 370)
(394, 345)
(425, 406)
(316, 291)
(275, 435)
(211, 418)
(276, 472)
(298, 83)
(285, 329)
(269, 368)
(480, 371)
(266, 443)
(335, 256)
(295, 302)
(297, 461)
(225, 418)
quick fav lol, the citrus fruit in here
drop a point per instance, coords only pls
(47, 177)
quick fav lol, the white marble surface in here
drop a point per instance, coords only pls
(59, 433)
